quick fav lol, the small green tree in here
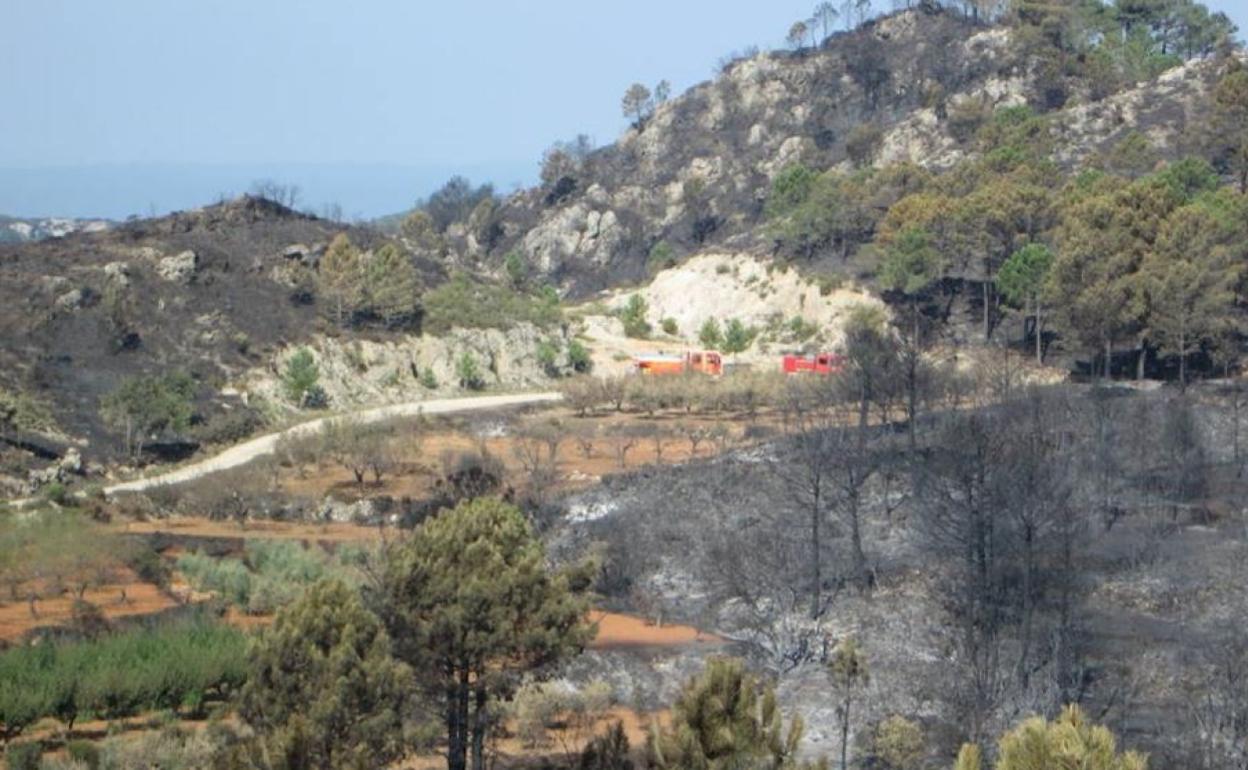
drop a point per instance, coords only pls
(579, 358)
(1068, 741)
(471, 603)
(340, 278)
(724, 719)
(145, 406)
(300, 376)
(848, 668)
(637, 104)
(323, 684)
(469, 372)
(633, 316)
(548, 357)
(710, 335)
(1022, 280)
(517, 269)
(391, 286)
(790, 189)
(737, 337)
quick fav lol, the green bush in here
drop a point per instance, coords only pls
(300, 376)
(469, 372)
(428, 379)
(548, 357)
(84, 752)
(24, 756)
(669, 326)
(56, 493)
(662, 256)
(227, 578)
(466, 304)
(579, 358)
(271, 574)
(633, 317)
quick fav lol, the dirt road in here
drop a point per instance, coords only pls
(264, 445)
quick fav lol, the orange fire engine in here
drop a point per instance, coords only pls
(701, 361)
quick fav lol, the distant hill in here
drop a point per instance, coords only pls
(22, 230)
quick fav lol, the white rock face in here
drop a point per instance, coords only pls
(366, 372)
(180, 268)
(574, 232)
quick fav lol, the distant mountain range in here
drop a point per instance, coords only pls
(18, 230)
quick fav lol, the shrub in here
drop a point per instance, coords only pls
(548, 357)
(634, 317)
(300, 376)
(84, 752)
(579, 358)
(662, 256)
(428, 379)
(148, 565)
(898, 743)
(517, 269)
(56, 493)
(469, 372)
(669, 326)
(24, 756)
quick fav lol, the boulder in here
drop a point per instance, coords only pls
(180, 268)
(71, 300)
(118, 273)
(71, 462)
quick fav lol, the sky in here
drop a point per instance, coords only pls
(133, 106)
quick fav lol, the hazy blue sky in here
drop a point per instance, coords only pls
(269, 86)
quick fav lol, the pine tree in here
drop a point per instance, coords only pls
(1191, 278)
(472, 606)
(323, 686)
(709, 335)
(848, 668)
(340, 278)
(725, 719)
(391, 286)
(1068, 741)
(969, 758)
(1022, 280)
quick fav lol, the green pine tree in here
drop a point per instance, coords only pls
(323, 685)
(726, 718)
(472, 605)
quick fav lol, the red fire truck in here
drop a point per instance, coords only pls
(819, 363)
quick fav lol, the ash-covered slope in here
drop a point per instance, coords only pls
(207, 291)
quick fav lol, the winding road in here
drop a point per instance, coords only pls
(251, 449)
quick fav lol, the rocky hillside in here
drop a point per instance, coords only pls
(695, 174)
(209, 292)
